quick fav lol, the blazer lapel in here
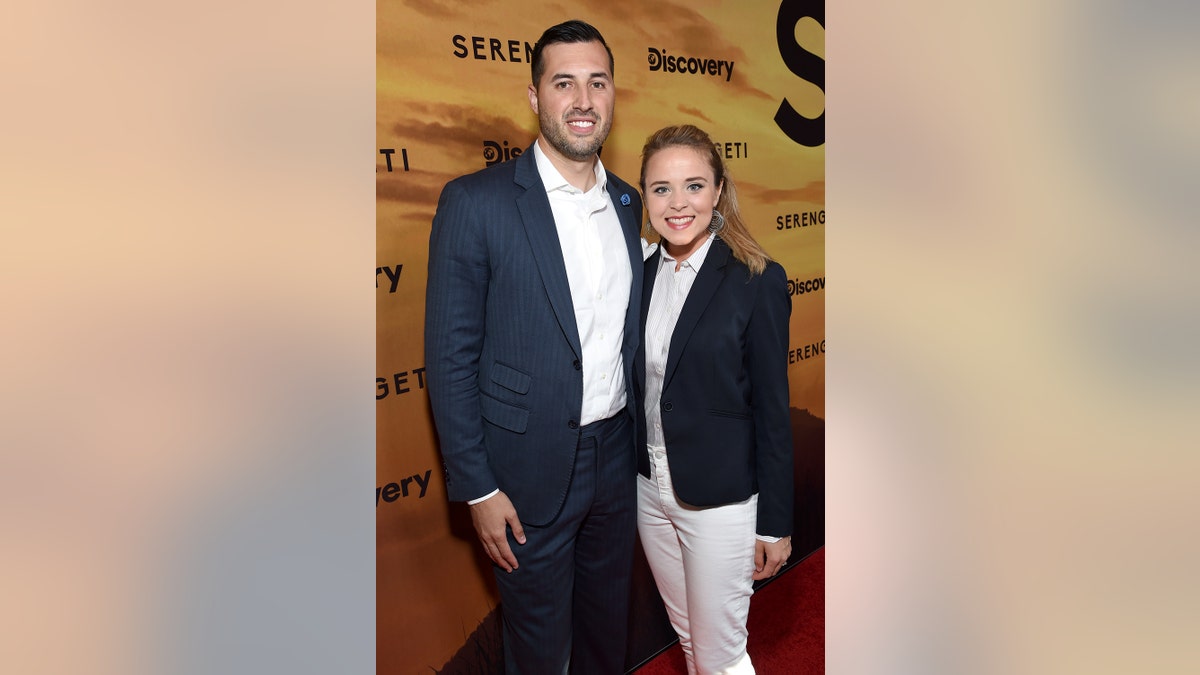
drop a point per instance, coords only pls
(538, 221)
(631, 227)
(650, 274)
(707, 281)
(629, 224)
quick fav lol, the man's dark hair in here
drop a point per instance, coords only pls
(567, 32)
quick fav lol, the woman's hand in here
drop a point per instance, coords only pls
(769, 558)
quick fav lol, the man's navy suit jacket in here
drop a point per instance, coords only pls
(502, 350)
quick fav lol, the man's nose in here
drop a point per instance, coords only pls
(584, 99)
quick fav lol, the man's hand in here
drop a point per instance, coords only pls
(769, 558)
(491, 518)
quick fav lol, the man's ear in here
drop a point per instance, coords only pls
(533, 99)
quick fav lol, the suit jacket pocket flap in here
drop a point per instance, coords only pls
(730, 413)
(503, 414)
(510, 378)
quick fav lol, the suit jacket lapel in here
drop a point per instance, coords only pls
(629, 224)
(650, 274)
(707, 281)
(631, 227)
(538, 221)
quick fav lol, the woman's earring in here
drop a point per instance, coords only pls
(649, 228)
(717, 223)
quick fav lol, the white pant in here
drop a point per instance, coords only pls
(702, 560)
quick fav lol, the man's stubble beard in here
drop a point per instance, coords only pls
(559, 138)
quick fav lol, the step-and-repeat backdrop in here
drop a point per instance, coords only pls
(451, 100)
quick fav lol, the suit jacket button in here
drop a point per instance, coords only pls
(576, 364)
(573, 424)
(668, 407)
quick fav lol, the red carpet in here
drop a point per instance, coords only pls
(787, 625)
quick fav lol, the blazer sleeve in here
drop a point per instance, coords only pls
(767, 361)
(455, 298)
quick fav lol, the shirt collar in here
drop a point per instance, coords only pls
(694, 260)
(553, 180)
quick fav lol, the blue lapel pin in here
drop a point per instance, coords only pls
(624, 200)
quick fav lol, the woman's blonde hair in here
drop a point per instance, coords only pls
(744, 247)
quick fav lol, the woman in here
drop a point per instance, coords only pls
(715, 441)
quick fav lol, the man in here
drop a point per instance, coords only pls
(530, 331)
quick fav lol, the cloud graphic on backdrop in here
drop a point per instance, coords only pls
(681, 31)
(812, 192)
(435, 9)
(441, 125)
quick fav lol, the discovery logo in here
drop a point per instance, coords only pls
(660, 61)
(494, 153)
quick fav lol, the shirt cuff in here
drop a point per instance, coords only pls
(765, 538)
(489, 495)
